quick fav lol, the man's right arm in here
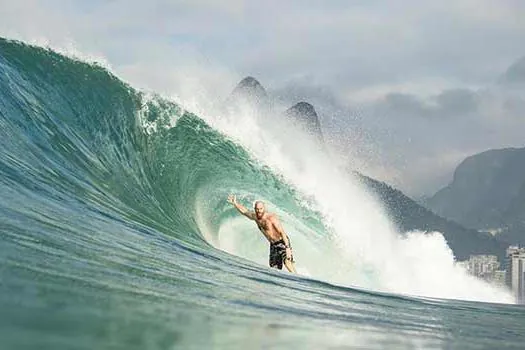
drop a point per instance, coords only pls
(233, 200)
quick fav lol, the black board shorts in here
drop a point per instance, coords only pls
(278, 253)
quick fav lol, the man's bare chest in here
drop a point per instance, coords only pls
(263, 225)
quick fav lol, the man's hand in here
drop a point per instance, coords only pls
(232, 199)
(289, 253)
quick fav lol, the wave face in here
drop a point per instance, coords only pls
(115, 232)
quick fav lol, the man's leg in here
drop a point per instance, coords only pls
(289, 265)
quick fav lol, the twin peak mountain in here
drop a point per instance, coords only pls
(249, 92)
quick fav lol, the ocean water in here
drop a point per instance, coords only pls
(115, 232)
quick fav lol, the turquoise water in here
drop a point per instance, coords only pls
(109, 233)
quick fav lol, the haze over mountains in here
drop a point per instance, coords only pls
(304, 114)
(487, 193)
(515, 74)
(407, 214)
(249, 93)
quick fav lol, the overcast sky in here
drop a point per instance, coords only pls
(411, 87)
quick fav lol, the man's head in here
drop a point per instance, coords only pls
(259, 209)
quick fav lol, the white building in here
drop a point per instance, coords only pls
(516, 272)
(483, 266)
(499, 277)
(486, 267)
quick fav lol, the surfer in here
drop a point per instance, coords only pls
(271, 228)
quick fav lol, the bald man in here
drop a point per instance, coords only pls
(271, 228)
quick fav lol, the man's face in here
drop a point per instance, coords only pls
(259, 210)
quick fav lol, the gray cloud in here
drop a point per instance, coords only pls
(457, 101)
(404, 104)
(340, 44)
(449, 103)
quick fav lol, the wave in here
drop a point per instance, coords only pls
(75, 136)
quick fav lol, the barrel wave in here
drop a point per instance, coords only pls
(115, 232)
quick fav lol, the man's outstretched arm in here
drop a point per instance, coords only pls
(233, 200)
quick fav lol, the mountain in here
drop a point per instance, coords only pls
(408, 215)
(484, 190)
(249, 93)
(487, 193)
(515, 74)
(514, 216)
(304, 114)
